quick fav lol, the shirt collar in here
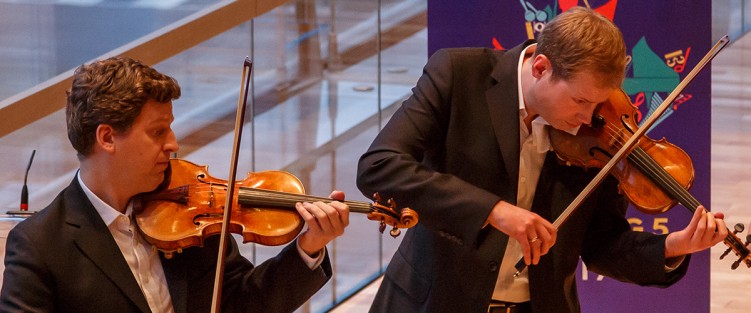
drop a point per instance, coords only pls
(522, 107)
(539, 131)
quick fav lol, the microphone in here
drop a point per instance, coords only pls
(24, 208)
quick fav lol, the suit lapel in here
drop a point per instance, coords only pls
(503, 100)
(94, 240)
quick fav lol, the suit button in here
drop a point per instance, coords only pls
(493, 266)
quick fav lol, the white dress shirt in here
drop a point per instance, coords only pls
(534, 146)
(143, 258)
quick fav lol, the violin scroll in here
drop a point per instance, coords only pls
(387, 215)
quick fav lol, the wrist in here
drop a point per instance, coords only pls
(310, 247)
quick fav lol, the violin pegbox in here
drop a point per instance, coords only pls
(740, 248)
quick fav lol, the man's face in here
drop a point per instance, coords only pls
(142, 153)
(567, 104)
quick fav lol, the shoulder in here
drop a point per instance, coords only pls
(47, 221)
(480, 52)
(464, 55)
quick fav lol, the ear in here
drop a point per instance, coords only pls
(105, 137)
(541, 65)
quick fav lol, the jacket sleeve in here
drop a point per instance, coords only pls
(280, 284)
(406, 158)
(611, 248)
(26, 284)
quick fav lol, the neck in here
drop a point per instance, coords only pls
(528, 121)
(100, 182)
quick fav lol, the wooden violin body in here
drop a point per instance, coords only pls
(190, 203)
(612, 124)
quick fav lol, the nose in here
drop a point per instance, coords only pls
(171, 145)
(585, 116)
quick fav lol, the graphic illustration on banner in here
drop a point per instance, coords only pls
(651, 74)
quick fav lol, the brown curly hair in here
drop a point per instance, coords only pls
(112, 92)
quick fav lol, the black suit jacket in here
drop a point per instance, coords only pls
(451, 152)
(64, 259)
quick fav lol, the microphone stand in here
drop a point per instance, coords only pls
(24, 208)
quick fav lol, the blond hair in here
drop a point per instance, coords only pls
(582, 40)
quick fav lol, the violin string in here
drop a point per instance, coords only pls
(654, 170)
(279, 198)
(688, 200)
(647, 163)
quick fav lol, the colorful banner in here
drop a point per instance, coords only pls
(665, 40)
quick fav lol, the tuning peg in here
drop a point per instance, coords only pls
(737, 229)
(382, 227)
(395, 232)
(377, 197)
(391, 203)
(724, 254)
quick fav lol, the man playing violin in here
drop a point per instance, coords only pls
(469, 151)
(83, 252)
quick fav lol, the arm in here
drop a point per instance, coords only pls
(611, 248)
(285, 282)
(25, 286)
(280, 284)
(407, 160)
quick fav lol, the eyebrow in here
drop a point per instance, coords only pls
(585, 99)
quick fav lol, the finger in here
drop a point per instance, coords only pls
(536, 250)
(698, 213)
(722, 230)
(324, 216)
(711, 228)
(311, 214)
(526, 249)
(306, 216)
(337, 195)
(547, 238)
(718, 229)
(700, 229)
(343, 210)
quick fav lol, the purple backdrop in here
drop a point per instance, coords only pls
(665, 40)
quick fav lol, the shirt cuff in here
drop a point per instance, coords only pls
(672, 263)
(311, 262)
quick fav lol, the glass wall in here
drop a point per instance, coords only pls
(326, 76)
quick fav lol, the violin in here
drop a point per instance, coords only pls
(654, 176)
(189, 206)
(649, 163)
